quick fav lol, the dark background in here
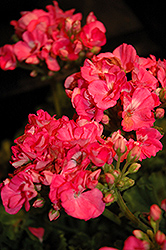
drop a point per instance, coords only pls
(140, 23)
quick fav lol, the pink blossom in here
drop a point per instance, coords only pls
(138, 110)
(132, 243)
(148, 139)
(100, 154)
(29, 48)
(143, 78)
(26, 18)
(93, 33)
(106, 93)
(85, 105)
(7, 58)
(49, 57)
(84, 205)
(18, 191)
(161, 73)
(127, 55)
(38, 232)
(65, 49)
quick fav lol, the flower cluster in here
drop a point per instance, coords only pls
(56, 154)
(53, 37)
(129, 89)
(152, 239)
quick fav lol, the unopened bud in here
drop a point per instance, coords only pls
(119, 142)
(38, 203)
(134, 154)
(138, 234)
(105, 119)
(160, 113)
(109, 198)
(160, 237)
(53, 214)
(163, 205)
(134, 168)
(155, 212)
(125, 183)
(109, 178)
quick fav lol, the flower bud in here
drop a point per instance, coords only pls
(109, 178)
(134, 168)
(105, 119)
(38, 203)
(109, 198)
(155, 212)
(138, 234)
(134, 153)
(125, 183)
(160, 113)
(53, 214)
(119, 142)
(163, 205)
(160, 237)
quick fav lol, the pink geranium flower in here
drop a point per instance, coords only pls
(127, 55)
(143, 78)
(18, 191)
(138, 110)
(7, 57)
(93, 33)
(85, 104)
(106, 92)
(149, 141)
(84, 205)
(132, 243)
(29, 48)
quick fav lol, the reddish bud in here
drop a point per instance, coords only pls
(119, 142)
(53, 214)
(155, 212)
(109, 178)
(163, 205)
(160, 113)
(160, 237)
(38, 203)
(109, 198)
(134, 168)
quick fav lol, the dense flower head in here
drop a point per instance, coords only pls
(52, 36)
(125, 88)
(55, 152)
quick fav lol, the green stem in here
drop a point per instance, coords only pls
(30, 67)
(118, 162)
(129, 214)
(124, 168)
(111, 216)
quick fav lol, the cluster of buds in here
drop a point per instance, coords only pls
(52, 40)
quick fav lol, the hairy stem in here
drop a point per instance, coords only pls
(111, 216)
(129, 214)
